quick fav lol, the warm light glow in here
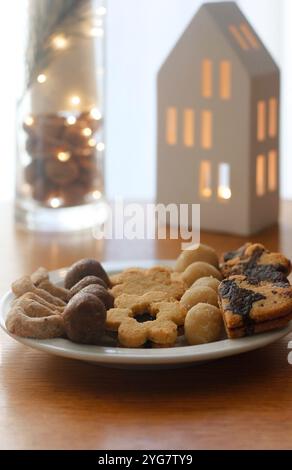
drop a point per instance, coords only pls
(92, 142)
(249, 36)
(95, 114)
(75, 100)
(29, 121)
(96, 194)
(101, 11)
(60, 42)
(262, 114)
(205, 188)
(71, 120)
(97, 32)
(206, 129)
(224, 190)
(100, 146)
(225, 80)
(171, 126)
(238, 37)
(189, 128)
(64, 156)
(42, 78)
(273, 118)
(87, 132)
(273, 170)
(261, 175)
(207, 78)
(55, 202)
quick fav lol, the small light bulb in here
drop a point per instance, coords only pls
(60, 42)
(42, 78)
(55, 202)
(100, 146)
(95, 114)
(96, 194)
(71, 120)
(29, 121)
(224, 192)
(75, 100)
(206, 192)
(87, 132)
(97, 32)
(101, 11)
(92, 142)
(64, 156)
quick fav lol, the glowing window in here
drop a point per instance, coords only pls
(273, 170)
(273, 118)
(261, 175)
(249, 36)
(206, 129)
(241, 41)
(225, 80)
(261, 124)
(207, 78)
(224, 189)
(171, 126)
(189, 128)
(205, 180)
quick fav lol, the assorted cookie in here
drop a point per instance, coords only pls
(247, 293)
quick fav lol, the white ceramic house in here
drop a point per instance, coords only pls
(218, 122)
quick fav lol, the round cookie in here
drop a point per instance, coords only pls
(87, 281)
(203, 324)
(210, 281)
(197, 270)
(84, 319)
(84, 268)
(101, 293)
(194, 254)
(197, 295)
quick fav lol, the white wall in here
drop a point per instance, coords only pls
(140, 35)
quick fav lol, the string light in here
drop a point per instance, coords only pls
(101, 11)
(224, 192)
(42, 78)
(29, 121)
(96, 194)
(100, 146)
(55, 202)
(60, 42)
(97, 32)
(64, 156)
(87, 132)
(75, 100)
(71, 120)
(92, 142)
(95, 114)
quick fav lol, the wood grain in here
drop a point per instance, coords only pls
(48, 402)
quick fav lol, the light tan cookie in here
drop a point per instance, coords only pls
(255, 261)
(197, 270)
(55, 291)
(140, 281)
(27, 325)
(197, 295)
(211, 282)
(31, 297)
(194, 254)
(203, 324)
(40, 275)
(254, 307)
(24, 285)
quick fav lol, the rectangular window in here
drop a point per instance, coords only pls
(206, 129)
(205, 180)
(261, 124)
(249, 36)
(207, 78)
(273, 170)
(189, 128)
(273, 118)
(224, 189)
(225, 80)
(171, 126)
(239, 38)
(261, 175)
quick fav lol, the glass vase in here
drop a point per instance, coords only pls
(60, 117)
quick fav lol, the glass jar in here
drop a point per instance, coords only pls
(60, 124)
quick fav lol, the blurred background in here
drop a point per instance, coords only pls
(140, 34)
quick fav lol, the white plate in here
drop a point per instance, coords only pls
(140, 358)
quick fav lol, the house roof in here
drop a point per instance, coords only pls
(241, 36)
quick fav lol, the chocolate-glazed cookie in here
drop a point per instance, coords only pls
(101, 293)
(87, 281)
(84, 268)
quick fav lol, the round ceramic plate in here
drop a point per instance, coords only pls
(141, 358)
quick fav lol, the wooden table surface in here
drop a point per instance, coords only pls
(48, 402)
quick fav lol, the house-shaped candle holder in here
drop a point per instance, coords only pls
(218, 123)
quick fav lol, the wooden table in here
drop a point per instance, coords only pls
(48, 402)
